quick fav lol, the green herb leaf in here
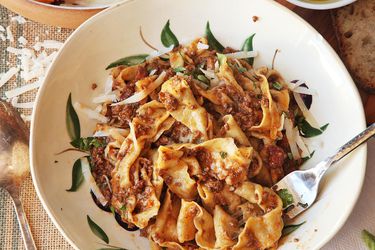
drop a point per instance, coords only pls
(248, 46)
(97, 230)
(306, 130)
(128, 61)
(179, 69)
(221, 58)
(85, 143)
(204, 79)
(167, 37)
(288, 229)
(212, 42)
(112, 209)
(77, 176)
(223, 154)
(277, 85)
(241, 69)
(71, 120)
(286, 197)
(290, 156)
(368, 239)
(304, 159)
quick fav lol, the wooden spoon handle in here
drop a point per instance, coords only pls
(24, 225)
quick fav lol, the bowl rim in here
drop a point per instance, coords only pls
(97, 7)
(340, 223)
(320, 5)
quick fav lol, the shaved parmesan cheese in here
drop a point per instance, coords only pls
(24, 105)
(8, 75)
(242, 54)
(108, 85)
(133, 136)
(18, 19)
(306, 91)
(160, 52)
(290, 135)
(22, 40)
(144, 93)
(300, 143)
(92, 114)
(10, 36)
(105, 98)
(306, 113)
(202, 46)
(2, 37)
(2, 29)
(210, 74)
(23, 89)
(152, 72)
(52, 44)
(282, 120)
(86, 171)
(26, 118)
(100, 133)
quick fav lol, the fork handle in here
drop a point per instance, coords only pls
(352, 144)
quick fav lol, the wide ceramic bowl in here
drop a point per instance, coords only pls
(321, 4)
(114, 33)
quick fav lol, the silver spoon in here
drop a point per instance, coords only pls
(303, 184)
(14, 162)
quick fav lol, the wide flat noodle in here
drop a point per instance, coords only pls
(188, 111)
(142, 129)
(227, 161)
(232, 130)
(269, 127)
(263, 231)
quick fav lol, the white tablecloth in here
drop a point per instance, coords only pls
(363, 215)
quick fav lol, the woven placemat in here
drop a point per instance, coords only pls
(45, 233)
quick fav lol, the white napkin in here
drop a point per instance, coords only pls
(363, 215)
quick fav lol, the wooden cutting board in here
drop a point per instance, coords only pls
(322, 22)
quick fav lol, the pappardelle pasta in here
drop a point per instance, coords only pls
(192, 142)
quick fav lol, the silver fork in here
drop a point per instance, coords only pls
(299, 189)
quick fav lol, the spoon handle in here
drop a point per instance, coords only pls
(24, 225)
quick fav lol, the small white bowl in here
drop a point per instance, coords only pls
(321, 4)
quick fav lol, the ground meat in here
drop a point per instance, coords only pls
(214, 185)
(276, 156)
(204, 158)
(245, 107)
(121, 115)
(101, 171)
(127, 91)
(169, 101)
(141, 73)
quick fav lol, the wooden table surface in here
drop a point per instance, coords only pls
(322, 22)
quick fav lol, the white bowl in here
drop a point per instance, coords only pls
(114, 33)
(321, 4)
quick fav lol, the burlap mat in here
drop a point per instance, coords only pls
(45, 233)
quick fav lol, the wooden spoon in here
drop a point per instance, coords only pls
(14, 162)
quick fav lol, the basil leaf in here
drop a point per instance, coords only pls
(77, 176)
(128, 61)
(221, 58)
(286, 197)
(288, 229)
(71, 120)
(204, 79)
(248, 46)
(368, 239)
(179, 69)
(167, 37)
(97, 230)
(306, 130)
(212, 42)
(277, 85)
(223, 154)
(85, 143)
